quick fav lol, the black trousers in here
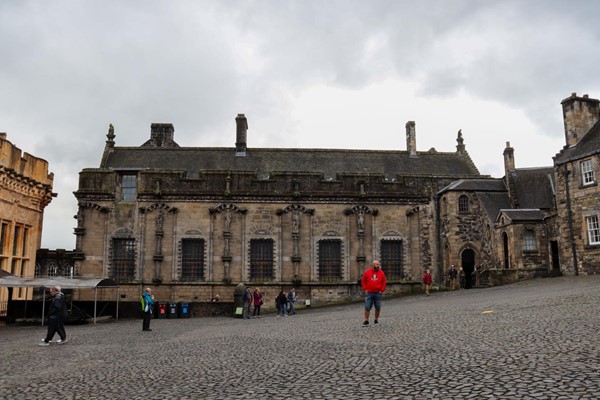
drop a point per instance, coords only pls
(55, 325)
(147, 318)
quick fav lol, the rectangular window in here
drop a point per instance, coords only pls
(261, 259)
(123, 259)
(25, 235)
(593, 229)
(330, 259)
(391, 258)
(529, 242)
(192, 260)
(129, 187)
(587, 172)
(16, 240)
(463, 204)
(4, 239)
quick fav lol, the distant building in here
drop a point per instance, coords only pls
(25, 191)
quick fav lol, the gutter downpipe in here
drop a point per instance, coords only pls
(566, 173)
(438, 233)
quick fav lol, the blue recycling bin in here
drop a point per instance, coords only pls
(185, 309)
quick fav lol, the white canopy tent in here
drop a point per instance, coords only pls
(9, 280)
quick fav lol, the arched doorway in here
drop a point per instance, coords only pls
(468, 266)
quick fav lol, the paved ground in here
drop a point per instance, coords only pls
(531, 340)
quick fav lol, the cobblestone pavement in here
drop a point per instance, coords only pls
(531, 340)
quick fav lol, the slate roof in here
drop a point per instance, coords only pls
(588, 145)
(517, 215)
(534, 187)
(476, 185)
(264, 161)
(493, 202)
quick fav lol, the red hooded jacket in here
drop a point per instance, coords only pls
(374, 282)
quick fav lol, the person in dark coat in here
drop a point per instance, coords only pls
(56, 317)
(281, 303)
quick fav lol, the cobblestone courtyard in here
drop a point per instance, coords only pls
(531, 340)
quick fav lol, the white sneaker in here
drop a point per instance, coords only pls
(62, 341)
(44, 339)
(42, 343)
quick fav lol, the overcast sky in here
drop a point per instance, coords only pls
(307, 74)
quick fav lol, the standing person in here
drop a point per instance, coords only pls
(56, 314)
(462, 278)
(427, 281)
(247, 299)
(281, 302)
(148, 304)
(258, 301)
(452, 274)
(292, 301)
(373, 284)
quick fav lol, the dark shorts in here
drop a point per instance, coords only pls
(373, 299)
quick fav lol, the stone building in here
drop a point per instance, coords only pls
(193, 222)
(576, 169)
(25, 191)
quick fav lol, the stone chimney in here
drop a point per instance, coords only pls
(580, 114)
(161, 135)
(241, 133)
(411, 138)
(509, 162)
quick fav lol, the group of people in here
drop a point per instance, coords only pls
(253, 301)
(373, 283)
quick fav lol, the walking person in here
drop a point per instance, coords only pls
(373, 284)
(247, 299)
(462, 278)
(452, 275)
(258, 301)
(56, 315)
(292, 301)
(148, 305)
(427, 281)
(281, 303)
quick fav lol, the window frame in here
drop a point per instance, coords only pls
(129, 187)
(330, 267)
(529, 240)
(193, 265)
(588, 176)
(123, 259)
(463, 204)
(392, 266)
(593, 229)
(262, 259)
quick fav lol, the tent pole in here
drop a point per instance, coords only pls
(95, 300)
(43, 305)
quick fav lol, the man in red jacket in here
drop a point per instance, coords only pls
(373, 284)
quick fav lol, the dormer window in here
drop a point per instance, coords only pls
(463, 204)
(128, 187)
(587, 172)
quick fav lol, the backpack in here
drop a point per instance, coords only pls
(142, 302)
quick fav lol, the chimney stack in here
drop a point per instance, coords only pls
(580, 114)
(411, 138)
(241, 133)
(509, 162)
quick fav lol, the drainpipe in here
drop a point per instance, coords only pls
(438, 232)
(566, 173)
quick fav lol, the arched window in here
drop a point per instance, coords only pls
(463, 204)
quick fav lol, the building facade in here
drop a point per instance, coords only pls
(25, 191)
(194, 222)
(576, 168)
